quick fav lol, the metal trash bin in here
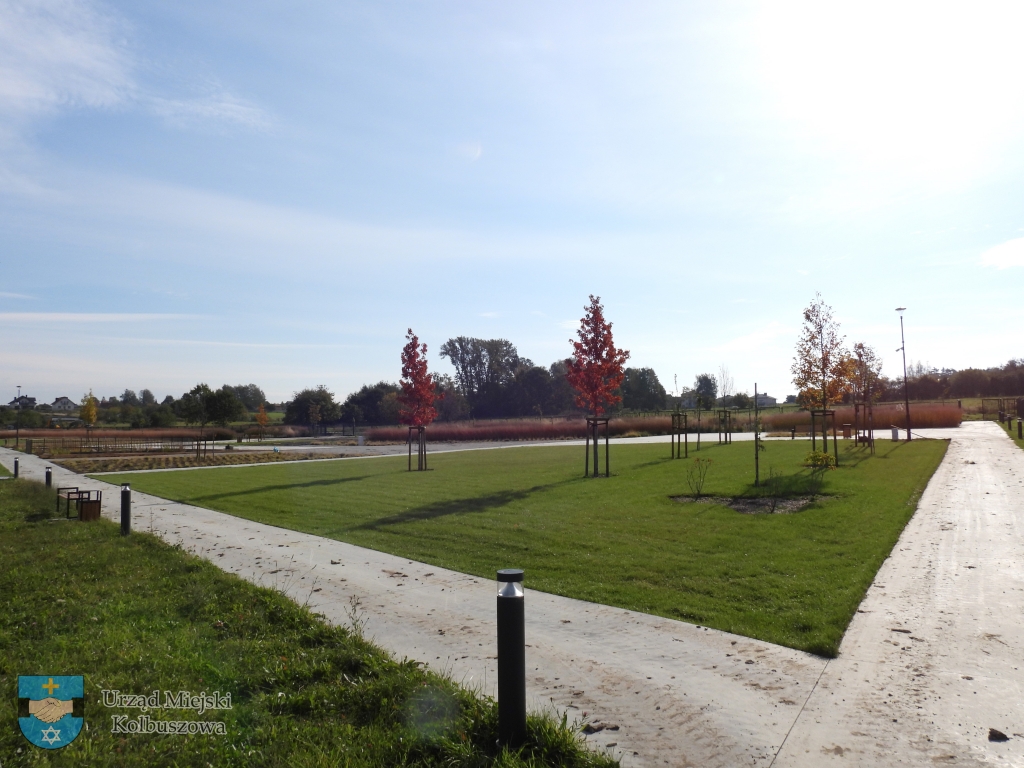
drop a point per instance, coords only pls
(895, 434)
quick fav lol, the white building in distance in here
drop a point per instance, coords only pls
(63, 405)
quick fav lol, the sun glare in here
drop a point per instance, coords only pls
(929, 89)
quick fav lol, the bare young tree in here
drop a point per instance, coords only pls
(725, 382)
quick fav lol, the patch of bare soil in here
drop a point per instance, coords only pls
(760, 505)
(133, 463)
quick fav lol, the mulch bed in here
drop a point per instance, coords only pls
(755, 505)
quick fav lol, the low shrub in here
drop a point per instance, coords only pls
(820, 460)
(696, 475)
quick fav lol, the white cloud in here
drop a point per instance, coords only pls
(1008, 254)
(6, 295)
(470, 150)
(216, 109)
(60, 54)
(149, 342)
(57, 53)
(86, 317)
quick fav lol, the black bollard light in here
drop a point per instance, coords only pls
(1020, 430)
(15, 468)
(511, 658)
(49, 477)
(126, 509)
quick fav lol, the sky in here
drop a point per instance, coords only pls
(274, 193)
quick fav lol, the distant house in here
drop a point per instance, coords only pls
(766, 400)
(23, 403)
(63, 405)
(688, 399)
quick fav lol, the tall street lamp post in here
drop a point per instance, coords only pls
(903, 349)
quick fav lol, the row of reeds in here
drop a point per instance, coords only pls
(922, 416)
(574, 429)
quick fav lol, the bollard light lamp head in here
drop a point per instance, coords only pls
(125, 487)
(510, 582)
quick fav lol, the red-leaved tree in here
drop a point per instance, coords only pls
(418, 395)
(595, 370)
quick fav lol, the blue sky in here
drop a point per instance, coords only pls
(240, 192)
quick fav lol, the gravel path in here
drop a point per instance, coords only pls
(662, 692)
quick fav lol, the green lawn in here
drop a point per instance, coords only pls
(794, 579)
(136, 615)
(1013, 434)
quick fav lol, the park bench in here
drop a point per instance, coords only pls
(67, 494)
(87, 503)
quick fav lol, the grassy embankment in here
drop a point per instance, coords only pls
(137, 615)
(794, 579)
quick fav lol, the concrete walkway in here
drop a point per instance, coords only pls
(663, 692)
(934, 658)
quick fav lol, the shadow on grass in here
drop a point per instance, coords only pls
(804, 483)
(280, 487)
(438, 509)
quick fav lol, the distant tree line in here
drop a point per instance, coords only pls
(491, 381)
(928, 383)
(201, 405)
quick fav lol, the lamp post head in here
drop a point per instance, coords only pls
(901, 309)
(510, 582)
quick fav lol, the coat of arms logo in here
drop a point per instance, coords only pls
(51, 708)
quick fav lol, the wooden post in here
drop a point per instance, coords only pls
(835, 442)
(757, 446)
(586, 453)
(607, 466)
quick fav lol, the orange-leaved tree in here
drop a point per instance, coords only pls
(595, 369)
(822, 368)
(262, 419)
(867, 373)
(419, 391)
(88, 411)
